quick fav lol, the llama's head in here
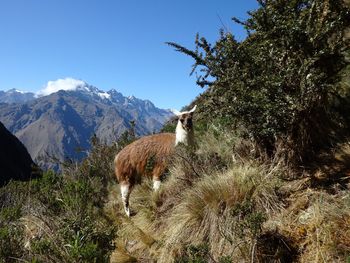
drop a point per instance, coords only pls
(185, 118)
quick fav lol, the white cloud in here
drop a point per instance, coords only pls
(61, 84)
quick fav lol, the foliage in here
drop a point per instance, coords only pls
(195, 254)
(170, 126)
(11, 235)
(10, 243)
(59, 217)
(279, 83)
(127, 136)
(247, 218)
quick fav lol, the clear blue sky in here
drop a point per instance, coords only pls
(111, 43)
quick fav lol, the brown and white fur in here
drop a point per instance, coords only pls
(131, 163)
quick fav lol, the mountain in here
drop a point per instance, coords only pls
(15, 96)
(15, 161)
(59, 123)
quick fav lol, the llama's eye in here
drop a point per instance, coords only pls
(182, 120)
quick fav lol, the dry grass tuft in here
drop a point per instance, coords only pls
(206, 212)
(120, 255)
(318, 226)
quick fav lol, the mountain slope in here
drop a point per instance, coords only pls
(58, 124)
(15, 161)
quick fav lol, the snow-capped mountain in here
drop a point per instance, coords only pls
(73, 85)
(15, 96)
(57, 121)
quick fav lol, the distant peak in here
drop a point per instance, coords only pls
(17, 91)
(113, 91)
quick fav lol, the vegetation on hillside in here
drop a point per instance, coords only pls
(268, 181)
(59, 217)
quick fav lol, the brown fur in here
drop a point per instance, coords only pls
(154, 150)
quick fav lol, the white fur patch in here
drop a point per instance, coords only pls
(156, 185)
(181, 135)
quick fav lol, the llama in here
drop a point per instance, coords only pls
(132, 162)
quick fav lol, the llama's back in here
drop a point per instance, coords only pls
(155, 150)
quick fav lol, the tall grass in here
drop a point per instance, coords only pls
(224, 210)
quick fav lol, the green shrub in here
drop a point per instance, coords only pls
(200, 254)
(11, 243)
(195, 254)
(169, 127)
(280, 83)
(11, 213)
(12, 201)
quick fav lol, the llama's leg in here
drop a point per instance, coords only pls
(157, 173)
(125, 191)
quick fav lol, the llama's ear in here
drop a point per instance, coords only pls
(176, 112)
(193, 109)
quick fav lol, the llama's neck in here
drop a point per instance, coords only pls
(183, 136)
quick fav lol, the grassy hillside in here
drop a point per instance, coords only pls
(224, 203)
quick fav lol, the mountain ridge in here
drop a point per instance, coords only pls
(59, 123)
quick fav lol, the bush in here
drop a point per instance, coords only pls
(279, 83)
(12, 201)
(75, 228)
(11, 245)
